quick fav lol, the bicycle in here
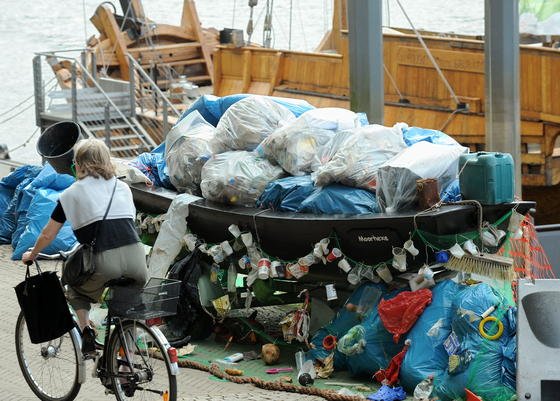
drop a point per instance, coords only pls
(136, 359)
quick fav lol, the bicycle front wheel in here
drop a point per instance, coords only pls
(137, 364)
(50, 369)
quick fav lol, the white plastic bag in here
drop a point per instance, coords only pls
(245, 124)
(237, 178)
(169, 240)
(189, 144)
(357, 154)
(331, 118)
(396, 189)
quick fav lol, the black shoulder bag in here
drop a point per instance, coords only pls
(44, 306)
(79, 265)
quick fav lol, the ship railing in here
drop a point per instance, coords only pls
(104, 107)
(157, 110)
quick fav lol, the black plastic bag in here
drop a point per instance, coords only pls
(44, 306)
(191, 320)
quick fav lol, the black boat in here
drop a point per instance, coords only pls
(366, 238)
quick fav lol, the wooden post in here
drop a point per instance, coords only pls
(246, 71)
(113, 32)
(276, 73)
(191, 24)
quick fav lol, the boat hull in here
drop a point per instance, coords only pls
(366, 238)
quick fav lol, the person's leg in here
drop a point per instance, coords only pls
(83, 318)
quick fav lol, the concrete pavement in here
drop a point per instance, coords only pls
(193, 385)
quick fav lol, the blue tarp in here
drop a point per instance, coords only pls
(213, 107)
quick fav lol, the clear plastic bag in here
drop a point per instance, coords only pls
(189, 144)
(397, 177)
(237, 178)
(245, 124)
(358, 155)
(296, 147)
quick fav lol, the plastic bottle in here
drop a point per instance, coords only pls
(234, 357)
(306, 370)
(424, 389)
(98, 316)
(231, 278)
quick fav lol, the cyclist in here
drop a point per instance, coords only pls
(118, 251)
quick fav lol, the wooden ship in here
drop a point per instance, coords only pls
(414, 93)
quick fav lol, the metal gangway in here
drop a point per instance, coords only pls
(132, 116)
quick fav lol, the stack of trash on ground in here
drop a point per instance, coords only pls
(435, 337)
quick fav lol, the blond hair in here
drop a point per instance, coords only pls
(94, 159)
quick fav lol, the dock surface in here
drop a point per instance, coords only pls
(192, 384)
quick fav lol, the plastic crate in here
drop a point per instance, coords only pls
(159, 297)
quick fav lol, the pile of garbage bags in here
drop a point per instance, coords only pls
(29, 195)
(285, 155)
(442, 338)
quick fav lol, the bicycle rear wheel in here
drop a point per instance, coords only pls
(50, 369)
(136, 365)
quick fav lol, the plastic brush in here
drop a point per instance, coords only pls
(484, 264)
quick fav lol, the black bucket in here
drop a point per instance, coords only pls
(56, 145)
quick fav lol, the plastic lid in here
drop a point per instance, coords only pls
(305, 379)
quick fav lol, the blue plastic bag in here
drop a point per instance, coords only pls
(411, 135)
(49, 178)
(21, 178)
(213, 107)
(154, 167)
(426, 354)
(484, 374)
(451, 193)
(338, 327)
(340, 199)
(286, 194)
(38, 215)
(379, 345)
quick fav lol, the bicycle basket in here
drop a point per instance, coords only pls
(157, 298)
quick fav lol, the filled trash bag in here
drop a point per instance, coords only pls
(189, 144)
(296, 147)
(286, 194)
(413, 135)
(426, 355)
(483, 373)
(19, 179)
(345, 319)
(339, 199)
(358, 154)
(39, 212)
(212, 108)
(245, 124)
(237, 178)
(401, 312)
(397, 177)
(152, 165)
(379, 346)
